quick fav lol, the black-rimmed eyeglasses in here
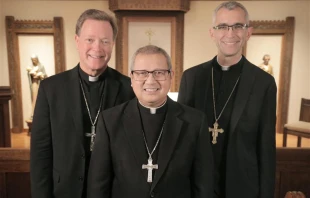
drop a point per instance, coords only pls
(142, 75)
(236, 27)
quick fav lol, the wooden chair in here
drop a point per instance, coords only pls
(295, 194)
(301, 128)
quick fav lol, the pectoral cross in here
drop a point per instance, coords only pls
(92, 136)
(215, 130)
(150, 166)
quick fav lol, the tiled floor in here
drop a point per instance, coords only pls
(22, 140)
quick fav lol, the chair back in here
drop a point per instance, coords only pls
(305, 110)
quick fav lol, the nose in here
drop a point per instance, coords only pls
(97, 44)
(230, 31)
(230, 28)
(150, 78)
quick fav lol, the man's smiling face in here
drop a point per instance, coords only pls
(95, 45)
(230, 43)
(151, 92)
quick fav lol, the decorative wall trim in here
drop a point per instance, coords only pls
(143, 5)
(285, 28)
(30, 27)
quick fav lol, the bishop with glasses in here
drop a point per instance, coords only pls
(151, 146)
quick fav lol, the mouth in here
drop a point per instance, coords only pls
(151, 90)
(95, 57)
(230, 42)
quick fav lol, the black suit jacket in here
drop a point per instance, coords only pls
(250, 167)
(184, 156)
(57, 156)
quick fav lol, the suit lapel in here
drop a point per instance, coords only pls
(203, 82)
(169, 139)
(110, 90)
(246, 82)
(74, 98)
(134, 134)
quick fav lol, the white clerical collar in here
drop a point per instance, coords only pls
(93, 78)
(225, 68)
(153, 109)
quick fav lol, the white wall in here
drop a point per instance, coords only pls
(3, 65)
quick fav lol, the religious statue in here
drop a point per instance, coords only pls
(265, 65)
(36, 73)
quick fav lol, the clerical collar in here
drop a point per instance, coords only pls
(226, 68)
(153, 110)
(88, 78)
(236, 68)
(93, 78)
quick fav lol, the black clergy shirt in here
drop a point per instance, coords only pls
(152, 125)
(224, 82)
(93, 92)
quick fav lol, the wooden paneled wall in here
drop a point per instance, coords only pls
(14, 173)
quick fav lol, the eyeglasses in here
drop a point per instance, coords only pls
(142, 75)
(236, 28)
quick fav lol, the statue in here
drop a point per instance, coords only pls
(36, 73)
(265, 65)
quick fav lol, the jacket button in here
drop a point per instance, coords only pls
(83, 156)
(152, 194)
(81, 178)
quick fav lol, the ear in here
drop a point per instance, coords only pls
(211, 32)
(77, 40)
(131, 78)
(171, 74)
(249, 32)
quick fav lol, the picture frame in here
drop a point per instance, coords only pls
(15, 28)
(284, 29)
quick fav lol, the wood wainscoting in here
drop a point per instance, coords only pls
(14, 173)
(292, 172)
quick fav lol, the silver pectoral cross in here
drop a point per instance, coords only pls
(92, 136)
(150, 166)
(215, 130)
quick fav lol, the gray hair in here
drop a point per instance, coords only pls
(96, 15)
(231, 5)
(151, 49)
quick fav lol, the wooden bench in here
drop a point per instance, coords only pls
(292, 171)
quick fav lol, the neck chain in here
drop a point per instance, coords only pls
(150, 166)
(215, 130)
(92, 135)
(145, 142)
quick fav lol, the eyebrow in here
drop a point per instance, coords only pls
(231, 25)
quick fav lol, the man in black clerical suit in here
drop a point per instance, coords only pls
(67, 109)
(151, 146)
(239, 100)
